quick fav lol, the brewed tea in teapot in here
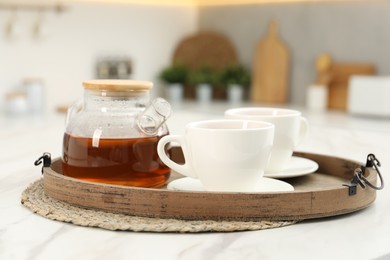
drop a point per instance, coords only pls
(111, 136)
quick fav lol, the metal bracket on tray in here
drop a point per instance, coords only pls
(45, 158)
(358, 177)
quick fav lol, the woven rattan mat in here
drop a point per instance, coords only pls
(36, 199)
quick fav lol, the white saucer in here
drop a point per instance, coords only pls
(266, 185)
(297, 166)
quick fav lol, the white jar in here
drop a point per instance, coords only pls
(317, 98)
(35, 95)
(15, 104)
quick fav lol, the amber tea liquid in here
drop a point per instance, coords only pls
(130, 162)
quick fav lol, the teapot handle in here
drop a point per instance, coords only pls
(154, 116)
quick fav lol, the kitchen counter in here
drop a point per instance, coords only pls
(360, 235)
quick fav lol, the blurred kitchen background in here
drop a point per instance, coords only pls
(54, 46)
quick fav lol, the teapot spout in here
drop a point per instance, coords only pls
(154, 116)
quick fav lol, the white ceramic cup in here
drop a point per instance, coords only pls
(290, 130)
(225, 155)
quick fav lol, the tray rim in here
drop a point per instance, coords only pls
(161, 208)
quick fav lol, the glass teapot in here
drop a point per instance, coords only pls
(111, 135)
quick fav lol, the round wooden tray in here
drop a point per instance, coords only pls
(316, 195)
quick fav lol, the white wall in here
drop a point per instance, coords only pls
(75, 39)
(350, 32)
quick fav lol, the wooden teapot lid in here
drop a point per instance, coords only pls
(117, 85)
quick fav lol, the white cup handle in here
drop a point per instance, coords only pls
(183, 169)
(304, 129)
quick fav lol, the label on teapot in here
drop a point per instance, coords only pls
(130, 162)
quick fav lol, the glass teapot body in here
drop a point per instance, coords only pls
(111, 135)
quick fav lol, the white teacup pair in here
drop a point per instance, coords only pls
(232, 154)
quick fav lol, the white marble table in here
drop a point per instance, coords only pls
(361, 235)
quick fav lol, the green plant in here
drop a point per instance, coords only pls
(235, 74)
(203, 75)
(176, 73)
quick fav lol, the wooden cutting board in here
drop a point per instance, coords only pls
(207, 48)
(270, 69)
